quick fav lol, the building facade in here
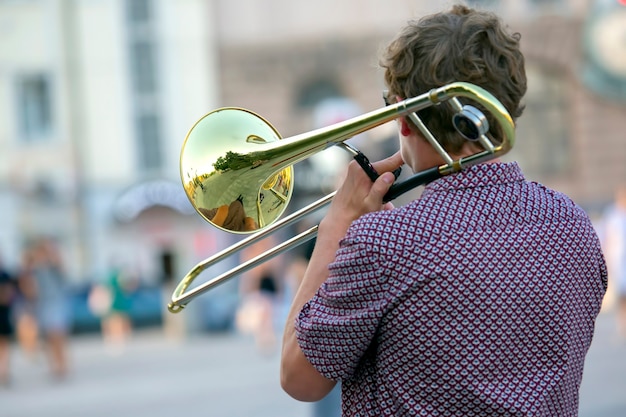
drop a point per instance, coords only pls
(97, 96)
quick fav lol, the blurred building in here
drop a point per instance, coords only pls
(96, 98)
(570, 136)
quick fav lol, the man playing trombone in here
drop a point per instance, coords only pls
(477, 298)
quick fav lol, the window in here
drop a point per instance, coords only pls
(143, 66)
(139, 11)
(34, 107)
(543, 144)
(142, 47)
(149, 142)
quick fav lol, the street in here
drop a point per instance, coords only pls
(222, 375)
(206, 375)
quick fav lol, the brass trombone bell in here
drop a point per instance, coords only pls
(232, 173)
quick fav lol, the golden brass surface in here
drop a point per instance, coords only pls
(231, 174)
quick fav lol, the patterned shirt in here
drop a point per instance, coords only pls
(477, 299)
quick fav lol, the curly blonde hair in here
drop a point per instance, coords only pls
(461, 44)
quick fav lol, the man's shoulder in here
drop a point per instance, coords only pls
(555, 201)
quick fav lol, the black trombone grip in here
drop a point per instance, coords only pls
(369, 169)
(365, 163)
(421, 178)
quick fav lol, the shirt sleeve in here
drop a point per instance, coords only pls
(337, 326)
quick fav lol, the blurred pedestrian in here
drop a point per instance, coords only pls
(261, 289)
(116, 324)
(615, 253)
(43, 284)
(7, 296)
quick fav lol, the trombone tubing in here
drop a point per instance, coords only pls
(180, 298)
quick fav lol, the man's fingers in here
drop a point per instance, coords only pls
(381, 186)
(389, 164)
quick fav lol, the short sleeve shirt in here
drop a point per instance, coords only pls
(479, 298)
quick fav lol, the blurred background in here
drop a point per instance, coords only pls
(96, 97)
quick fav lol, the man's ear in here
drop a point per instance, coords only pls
(405, 129)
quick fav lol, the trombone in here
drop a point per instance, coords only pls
(238, 172)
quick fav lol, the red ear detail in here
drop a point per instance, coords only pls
(405, 129)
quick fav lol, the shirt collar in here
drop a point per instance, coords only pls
(479, 175)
